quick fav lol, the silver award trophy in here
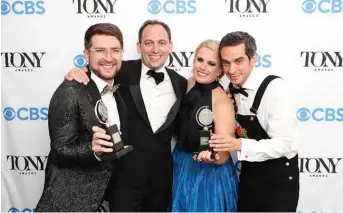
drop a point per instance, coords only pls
(204, 118)
(101, 112)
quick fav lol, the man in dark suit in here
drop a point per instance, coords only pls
(75, 179)
(153, 96)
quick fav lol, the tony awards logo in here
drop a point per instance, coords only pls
(204, 118)
(102, 108)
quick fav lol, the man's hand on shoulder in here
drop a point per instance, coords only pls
(77, 74)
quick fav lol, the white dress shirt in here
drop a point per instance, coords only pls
(275, 116)
(158, 99)
(112, 110)
(113, 114)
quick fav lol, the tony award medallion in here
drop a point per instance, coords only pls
(204, 118)
(101, 112)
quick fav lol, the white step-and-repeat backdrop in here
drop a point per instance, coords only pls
(300, 40)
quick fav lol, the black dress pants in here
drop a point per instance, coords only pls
(270, 186)
(145, 198)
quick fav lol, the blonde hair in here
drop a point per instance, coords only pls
(213, 45)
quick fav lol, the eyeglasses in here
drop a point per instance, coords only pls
(102, 52)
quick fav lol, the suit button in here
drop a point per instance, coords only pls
(287, 163)
(290, 177)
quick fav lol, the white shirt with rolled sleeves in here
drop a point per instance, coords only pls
(276, 116)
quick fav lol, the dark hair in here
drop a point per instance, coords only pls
(103, 29)
(239, 37)
(153, 22)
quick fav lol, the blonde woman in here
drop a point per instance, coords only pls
(202, 184)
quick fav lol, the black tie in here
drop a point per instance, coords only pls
(158, 76)
(236, 90)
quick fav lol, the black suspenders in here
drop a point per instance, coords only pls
(260, 92)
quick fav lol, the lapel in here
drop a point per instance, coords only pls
(121, 109)
(135, 76)
(175, 108)
(94, 95)
(93, 92)
(92, 89)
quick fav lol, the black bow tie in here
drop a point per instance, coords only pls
(236, 90)
(158, 76)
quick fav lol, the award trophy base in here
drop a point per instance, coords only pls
(205, 136)
(119, 149)
(117, 154)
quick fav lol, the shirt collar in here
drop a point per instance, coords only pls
(145, 69)
(254, 80)
(100, 83)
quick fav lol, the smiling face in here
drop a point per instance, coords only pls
(236, 64)
(206, 65)
(105, 56)
(155, 46)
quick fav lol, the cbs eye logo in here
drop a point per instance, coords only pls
(154, 7)
(80, 61)
(309, 6)
(5, 7)
(303, 114)
(9, 113)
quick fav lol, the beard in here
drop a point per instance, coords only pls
(101, 72)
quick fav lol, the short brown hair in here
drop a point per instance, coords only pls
(153, 22)
(103, 29)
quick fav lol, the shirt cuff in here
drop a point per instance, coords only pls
(244, 154)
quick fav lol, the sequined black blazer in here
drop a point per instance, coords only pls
(74, 179)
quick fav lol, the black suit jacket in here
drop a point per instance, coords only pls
(151, 159)
(75, 180)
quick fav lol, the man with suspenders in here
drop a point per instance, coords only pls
(265, 133)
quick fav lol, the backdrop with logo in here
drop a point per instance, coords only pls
(300, 40)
